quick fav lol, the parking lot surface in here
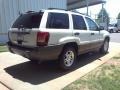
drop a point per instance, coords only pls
(2, 87)
(18, 73)
(115, 37)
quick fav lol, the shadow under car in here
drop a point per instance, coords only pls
(41, 73)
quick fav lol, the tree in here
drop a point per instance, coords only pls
(118, 16)
(103, 16)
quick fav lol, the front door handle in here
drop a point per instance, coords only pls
(77, 34)
(92, 33)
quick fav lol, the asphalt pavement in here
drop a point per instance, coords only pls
(115, 37)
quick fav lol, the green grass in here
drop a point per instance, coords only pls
(105, 77)
(116, 57)
(3, 48)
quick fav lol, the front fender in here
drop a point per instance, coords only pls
(65, 40)
(106, 34)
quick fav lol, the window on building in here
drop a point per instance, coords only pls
(78, 22)
(58, 21)
(91, 24)
(29, 20)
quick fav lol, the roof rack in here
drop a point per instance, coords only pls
(75, 11)
(30, 11)
(57, 9)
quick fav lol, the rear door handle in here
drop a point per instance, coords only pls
(92, 33)
(77, 34)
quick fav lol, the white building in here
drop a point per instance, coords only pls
(10, 9)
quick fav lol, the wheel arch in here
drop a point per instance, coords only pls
(107, 38)
(71, 44)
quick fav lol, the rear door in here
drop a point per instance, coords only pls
(80, 30)
(58, 26)
(25, 28)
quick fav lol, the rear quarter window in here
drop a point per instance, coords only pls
(29, 20)
(58, 21)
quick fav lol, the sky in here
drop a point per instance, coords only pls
(112, 7)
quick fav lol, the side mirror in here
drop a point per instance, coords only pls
(101, 28)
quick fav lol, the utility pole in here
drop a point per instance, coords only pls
(102, 12)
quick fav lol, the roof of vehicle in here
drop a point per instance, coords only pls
(65, 11)
(68, 12)
(59, 11)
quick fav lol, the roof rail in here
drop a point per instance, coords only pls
(75, 11)
(57, 9)
(30, 11)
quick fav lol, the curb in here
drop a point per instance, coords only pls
(5, 86)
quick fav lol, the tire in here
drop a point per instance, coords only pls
(67, 58)
(111, 31)
(32, 61)
(105, 47)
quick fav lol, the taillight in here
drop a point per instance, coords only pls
(42, 38)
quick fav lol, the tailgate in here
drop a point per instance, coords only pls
(25, 28)
(23, 37)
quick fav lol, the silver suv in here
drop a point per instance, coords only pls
(56, 35)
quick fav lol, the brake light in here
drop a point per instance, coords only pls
(42, 38)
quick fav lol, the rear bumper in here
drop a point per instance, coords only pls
(37, 53)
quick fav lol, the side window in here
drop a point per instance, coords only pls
(78, 22)
(91, 24)
(58, 21)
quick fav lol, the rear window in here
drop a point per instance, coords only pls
(29, 20)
